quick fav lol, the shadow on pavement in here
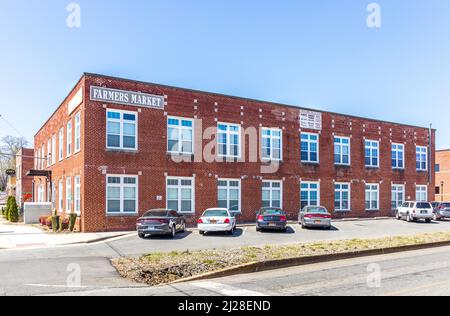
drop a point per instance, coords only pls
(237, 233)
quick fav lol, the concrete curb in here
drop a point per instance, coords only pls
(300, 261)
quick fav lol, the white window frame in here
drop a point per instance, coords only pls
(53, 149)
(420, 152)
(371, 191)
(341, 201)
(61, 196)
(122, 200)
(41, 194)
(228, 134)
(69, 137)
(228, 188)
(180, 128)
(341, 145)
(309, 142)
(309, 190)
(421, 189)
(272, 137)
(77, 194)
(179, 187)
(395, 191)
(77, 146)
(121, 121)
(61, 145)
(69, 196)
(271, 190)
(43, 158)
(49, 152)
(398, 148)
(369, 145)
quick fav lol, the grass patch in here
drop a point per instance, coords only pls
(161, 268)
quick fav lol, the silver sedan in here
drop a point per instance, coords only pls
(314, 216)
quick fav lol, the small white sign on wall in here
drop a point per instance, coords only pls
(311, 120)
(159, 198)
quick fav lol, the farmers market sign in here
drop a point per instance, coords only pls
(127, 97)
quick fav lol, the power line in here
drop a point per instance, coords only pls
(12, 126)
(23, 156)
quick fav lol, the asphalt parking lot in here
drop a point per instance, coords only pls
(247, 236)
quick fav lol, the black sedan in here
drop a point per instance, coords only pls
(271, 218)
(161, 222)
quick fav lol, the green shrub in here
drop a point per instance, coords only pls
(63, 224)
(8, 207)
(13, 211)
(55, 223)
(72, 221)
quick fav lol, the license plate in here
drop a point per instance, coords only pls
(213, 222)
(317, 222)
(272, 224)
(424, 212)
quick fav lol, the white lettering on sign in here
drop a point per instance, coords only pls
(127, 98)
(311, 120)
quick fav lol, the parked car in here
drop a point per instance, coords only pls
(441, 211)
(413, 211)
(314, 216)
(161, 222)
(217, 220)
(271, 218)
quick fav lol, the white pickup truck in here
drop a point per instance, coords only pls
(414, 211)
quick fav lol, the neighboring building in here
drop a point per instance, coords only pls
(442, 175)
(24, 186)
(11, 185)
(118, 147)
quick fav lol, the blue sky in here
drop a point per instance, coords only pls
(313, 53)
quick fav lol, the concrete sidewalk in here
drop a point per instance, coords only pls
(25, 236)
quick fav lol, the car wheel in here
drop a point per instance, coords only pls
(428, 221)
(183, 228)
(142, 236)
(173, 232)
(258, 229)
(409, 219)
(201, 232)
(399, 216)
(435, 217)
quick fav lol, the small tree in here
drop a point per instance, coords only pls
(8, 208)
(13, 211)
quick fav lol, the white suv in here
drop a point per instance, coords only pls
(413, 211)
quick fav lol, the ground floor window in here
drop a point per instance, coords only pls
(77, 194)
(229, 194)
(180, 194)
(310, 194)
(342, 196)
(272, 194)
(398, 196)
(41, 193)
(372, 197)
(68, 195)
(422, 193)
(61, 195)
(122, 194)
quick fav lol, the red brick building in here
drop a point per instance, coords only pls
(118, 147)
(24, 184)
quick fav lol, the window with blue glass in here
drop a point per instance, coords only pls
(310, 148)
(121, 130)
(271, 144)
(341, 150)
(372, 149)
(342, 197)
(180, 135)
(398, 156)
(228, 140)
(310, 194)
(421, 158)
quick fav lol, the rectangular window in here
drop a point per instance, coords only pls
(398, 156)
(121, 194)
(271, 144)
(229, 194)
(372, 197)
(41, 193)
(77, 193)
(121, 130)
(310, 147)
(53, 149)
(342, 150)
(69, 195)
(49, 152)
(180, 194)
(229, 140)
(372, 150)
(69, 139)
(342, 196)
(180, 136)
(43, 159)
(272, 194)
(422, 193)
(78, 132)
(61, 195)
(310, 194)
(421, 158)
(398, 196)
(53, 196)
(61, 144)
(437, 168)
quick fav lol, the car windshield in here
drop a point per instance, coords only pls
(423, 205)
(319, 210)
(156, 213)
(215, 213)
(272, 212)
(445, 205)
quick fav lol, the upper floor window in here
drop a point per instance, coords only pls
(180, 135)
(229, 140)
(271, 144)
(78, 132)
(372, 150)
(53, 149)
(69, 139)
(61, 145)
(421, 158)
(437, 168)
(341, 150)
(121, 130)
(49, 152)
(310, 147)
(398, 156)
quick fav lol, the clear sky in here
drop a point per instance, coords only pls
(313, 53)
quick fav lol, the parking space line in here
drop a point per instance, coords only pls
(292, 227)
